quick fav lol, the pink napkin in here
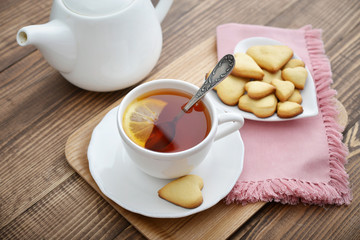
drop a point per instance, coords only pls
(299, 160)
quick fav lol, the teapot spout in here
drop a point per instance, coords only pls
(55, 41)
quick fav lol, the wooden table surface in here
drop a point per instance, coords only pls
(42, 197)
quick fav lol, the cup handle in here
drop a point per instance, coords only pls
(235, 122)
(162, 9)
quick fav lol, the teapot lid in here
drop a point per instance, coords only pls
(96, 8)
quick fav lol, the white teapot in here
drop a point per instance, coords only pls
(100, 45)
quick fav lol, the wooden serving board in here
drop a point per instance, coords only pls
(218, 222)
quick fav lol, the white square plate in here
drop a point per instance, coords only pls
(308, 94)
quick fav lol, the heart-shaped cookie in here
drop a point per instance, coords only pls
(296, 97)
(264, 107)
(292, 63)
(295, 75)
(184, 192)
(258, 89)
(231, 89)
(270, 57)
(288, 109)
(246, 67)
(269, 76)
(284, 89)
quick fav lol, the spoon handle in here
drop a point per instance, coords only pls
(222, 69)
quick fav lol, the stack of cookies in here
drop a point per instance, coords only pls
(265, 80)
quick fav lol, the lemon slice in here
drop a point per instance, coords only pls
(139, 118)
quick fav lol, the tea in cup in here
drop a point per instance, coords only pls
(195, 131)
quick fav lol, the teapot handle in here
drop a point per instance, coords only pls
(162, 9)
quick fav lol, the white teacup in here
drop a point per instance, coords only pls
(176, 164)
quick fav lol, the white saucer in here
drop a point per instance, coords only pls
(120, 180)
(309, 103)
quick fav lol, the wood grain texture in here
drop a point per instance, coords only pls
(13, 16)
(40, 194)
